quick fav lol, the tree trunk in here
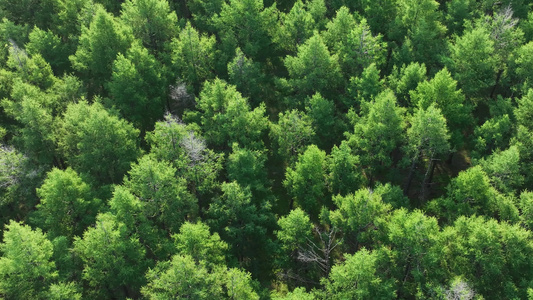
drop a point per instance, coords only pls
(411, 174)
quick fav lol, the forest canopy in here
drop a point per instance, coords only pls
(263, 149)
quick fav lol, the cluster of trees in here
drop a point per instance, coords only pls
(250, 149)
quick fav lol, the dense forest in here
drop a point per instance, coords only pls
(261, 149)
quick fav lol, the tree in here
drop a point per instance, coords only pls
(248, 169)
(248, 25)
(472, 61)
(239, 222)
(88, 137)
(359, 278)
(378, 133)
(178, 144)
(409, 240)
(492, 256)
(295, 230)
(428, 136)
(471, 193)
(196, 241)
(99, 45)
(524, 65)
(295, 27)
(26, 266)
(165, 198)
(32, 109)
(47, 44)
(405, 80)
(151, 21)
(503, 169)
(306, 182)
(248, 77)
(182, 277)
(360, 49)
(226, 117)
(357, 215)
(364, 88)
(345, 173)
(193, 55)
(113, 259)
(137, 87)
(67, 207)
(314, 69)
(291, 134)
(442, 90)
(322, 113)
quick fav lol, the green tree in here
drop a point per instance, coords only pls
(248, 169)
(186, 150)
(248, 77)
(378, 133)
(427, 136)
(295, 27)
(32, 109)
(113, 259)
(137, 87)
(405, 80)
(295, 230)
(504, 170)
(47, 44)
(97, 143)
(193, 55)
(226, 117)
(182, 277)
(248, 25)
(358, 277)
(357, 215)
(239, 222)
(322, 114)
(364, 88)
(472, 61)
(494, 257)
(442, 90)
(99, 44)
(152, 22)
(66, 206)
(345, 173)
(196, 241)
(291, 134)
(306, 182)
(26, 266)
(165, 198)
(314, 69)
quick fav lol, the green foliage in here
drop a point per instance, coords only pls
(377, 133)
(503, 169)
(295, 230)
(494, 257)
(442, 91)
(196, 241)
(239, 222)
(113, 259)
(428, 133)
(151, 21)
(87, 138)
(182, 277)
(306, 181)
(322, 114)
(26, 268)
(472, 61)
(193, 55)
(165, 198)
(66, 206)
(296, 26)
(248, 169)
(357, 214)
(99, 44)
(137, 88)
(291, 134)
(405, 80)
(358, 278)
(49, 46)
(314, 69)
(227, 118)
(345, 174)
(247, 76)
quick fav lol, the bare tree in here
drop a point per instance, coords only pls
(320, 254)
